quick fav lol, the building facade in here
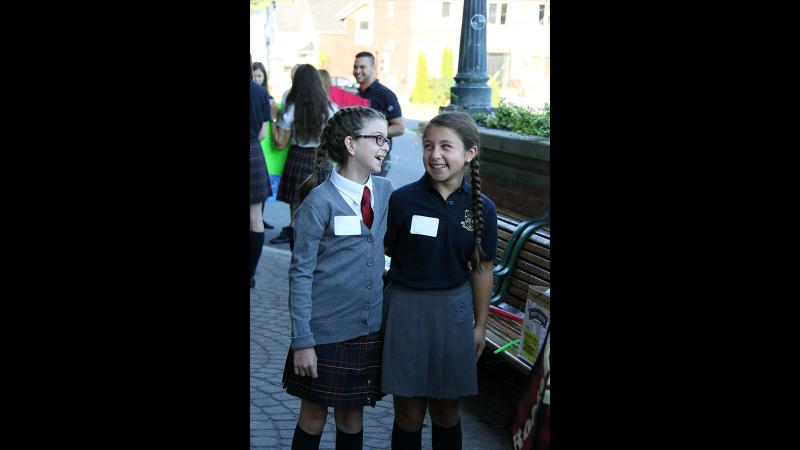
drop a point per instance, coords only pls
(328, 33)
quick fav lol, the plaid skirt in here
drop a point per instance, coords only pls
(259, 176)
(349, 374)
(300, 163)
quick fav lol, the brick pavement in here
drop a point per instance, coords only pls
(273, 413)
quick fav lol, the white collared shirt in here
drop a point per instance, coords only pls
(351, 191)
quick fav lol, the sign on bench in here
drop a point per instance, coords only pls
(536, 323)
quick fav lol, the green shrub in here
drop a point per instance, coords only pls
(517, 119)
(422, 88)
(440, 90)
(447, 63)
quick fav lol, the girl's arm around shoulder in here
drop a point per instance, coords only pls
(391, 224)
(386, 187)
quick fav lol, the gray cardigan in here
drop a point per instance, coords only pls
(335, 282)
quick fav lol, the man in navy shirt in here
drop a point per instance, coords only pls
(380, 98)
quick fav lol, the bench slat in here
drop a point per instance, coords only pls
(527, 260)
(526, 271)
(537, 250)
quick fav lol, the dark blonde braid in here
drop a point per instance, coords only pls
(477, 216)
(346, 122)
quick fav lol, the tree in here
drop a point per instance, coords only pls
(440, 87)
(440, 90)
(495, 89)
(422, 88)
(323, 60)
(447, 63)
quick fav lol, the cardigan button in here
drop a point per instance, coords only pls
(369, 238)
(369, 284)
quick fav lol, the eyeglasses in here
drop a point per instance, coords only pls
(380, 140)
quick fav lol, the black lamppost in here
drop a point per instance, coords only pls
(471, 91)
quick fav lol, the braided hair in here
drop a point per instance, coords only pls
(346, 122)
(464, 126)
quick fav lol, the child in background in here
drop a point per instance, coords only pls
(335, 281)
(304, 114)
(442, 236)
(260, 78)
(259, 176)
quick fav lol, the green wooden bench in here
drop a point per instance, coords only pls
(523, 261)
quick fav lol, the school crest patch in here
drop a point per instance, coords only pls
(467, 223)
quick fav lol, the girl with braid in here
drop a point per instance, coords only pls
(442, 236)
(336, 280)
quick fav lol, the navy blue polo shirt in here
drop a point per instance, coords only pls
(382, 99)
(259, 110)
(420, 261)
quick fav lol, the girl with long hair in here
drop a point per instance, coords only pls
(304, 114)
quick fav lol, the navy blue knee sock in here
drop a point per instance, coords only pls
(446, 438)
(347, 441)
(406, 440)
(304, 441)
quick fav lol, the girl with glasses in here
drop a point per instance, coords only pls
(336, 280)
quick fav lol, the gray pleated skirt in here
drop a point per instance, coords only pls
(428, 348)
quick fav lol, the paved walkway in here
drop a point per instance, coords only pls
(273, 413)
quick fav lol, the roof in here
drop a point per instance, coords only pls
(350, 8)
(290, 15)
(324, 15)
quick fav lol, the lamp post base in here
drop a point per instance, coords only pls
(471, 97)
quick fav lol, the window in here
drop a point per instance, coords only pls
(363, 32)
(541, 14)
(386, 62)
(390, 10)
(494, 9)
(499, 65)
(445, 10)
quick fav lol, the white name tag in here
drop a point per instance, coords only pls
(428, 226)
(346, 225)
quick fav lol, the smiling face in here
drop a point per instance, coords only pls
(259, 76)
(444, 155)
(363, 71)
(366, 156)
